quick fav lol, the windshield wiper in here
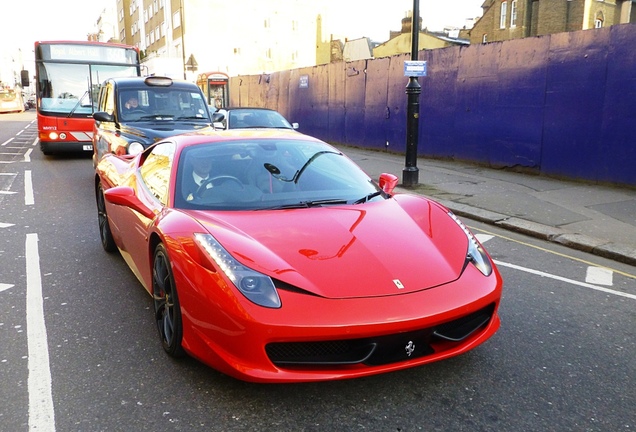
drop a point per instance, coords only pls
(368, 197)
(308, 204)
(190, 118)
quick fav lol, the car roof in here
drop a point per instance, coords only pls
(210, 136)
(137, 82)
(246, 108)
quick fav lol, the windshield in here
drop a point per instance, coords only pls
(269, 174)
(248, 118)
(68, 89)
(160, 103)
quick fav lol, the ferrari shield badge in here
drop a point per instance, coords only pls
(398, 284)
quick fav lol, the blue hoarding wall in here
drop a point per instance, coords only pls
(562, 104)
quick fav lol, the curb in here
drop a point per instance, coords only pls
(614, 251)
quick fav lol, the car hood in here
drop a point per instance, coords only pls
(395, 246)
(156, 130)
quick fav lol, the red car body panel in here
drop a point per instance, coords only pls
(361, 271)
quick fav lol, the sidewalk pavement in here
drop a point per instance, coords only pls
(598, 219)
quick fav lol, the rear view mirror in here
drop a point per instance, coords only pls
(103, 116)
(388, 182)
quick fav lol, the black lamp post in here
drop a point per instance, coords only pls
(410, 173)
(183, 53)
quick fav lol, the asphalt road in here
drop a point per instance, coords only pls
(79, 351)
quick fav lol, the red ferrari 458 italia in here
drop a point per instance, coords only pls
(272, 257)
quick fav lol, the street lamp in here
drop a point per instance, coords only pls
(410, 173)
(183, 55)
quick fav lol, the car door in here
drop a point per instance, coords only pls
(104, 131)
(152, 185)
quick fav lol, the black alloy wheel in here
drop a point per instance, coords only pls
(108, 243)
(167, 309)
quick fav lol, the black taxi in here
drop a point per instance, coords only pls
(135, 112)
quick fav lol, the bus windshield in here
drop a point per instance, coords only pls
(73, 88)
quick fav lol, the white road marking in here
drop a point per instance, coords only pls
(4, 287)
(483, 238)
(28, 188)
(5, 225)
(7, 142)
(570, 281)
(600, 276)
(41, 412)
(27, 155)
(7, 193)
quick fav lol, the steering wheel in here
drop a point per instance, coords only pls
(135, 112)
(216, 181)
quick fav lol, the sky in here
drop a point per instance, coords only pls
(33, 20)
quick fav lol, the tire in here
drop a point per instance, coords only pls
(166, 302)
(106, 236)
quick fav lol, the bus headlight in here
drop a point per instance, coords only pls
(53, 135)
(134, 148)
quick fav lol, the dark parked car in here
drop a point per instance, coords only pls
(135, 112)
(250, 118)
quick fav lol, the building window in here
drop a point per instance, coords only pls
(504, 11)
(176, 20)
(484, 38)
(598, 21)
(513, 13)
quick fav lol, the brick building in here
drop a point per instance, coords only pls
(515, 19)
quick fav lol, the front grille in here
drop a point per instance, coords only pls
(463, 327)
(379, 350)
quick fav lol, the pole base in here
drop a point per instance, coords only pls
(410, 176)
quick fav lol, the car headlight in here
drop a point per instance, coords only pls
(257, 287)
(476, 254)
(135, 147)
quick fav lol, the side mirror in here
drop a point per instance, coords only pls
(388, 182)
(295, 126)
(103, 116)
(125, 196)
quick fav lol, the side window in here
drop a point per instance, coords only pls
(107, 101)
(155, 171)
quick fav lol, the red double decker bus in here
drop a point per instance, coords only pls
(68, 75)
